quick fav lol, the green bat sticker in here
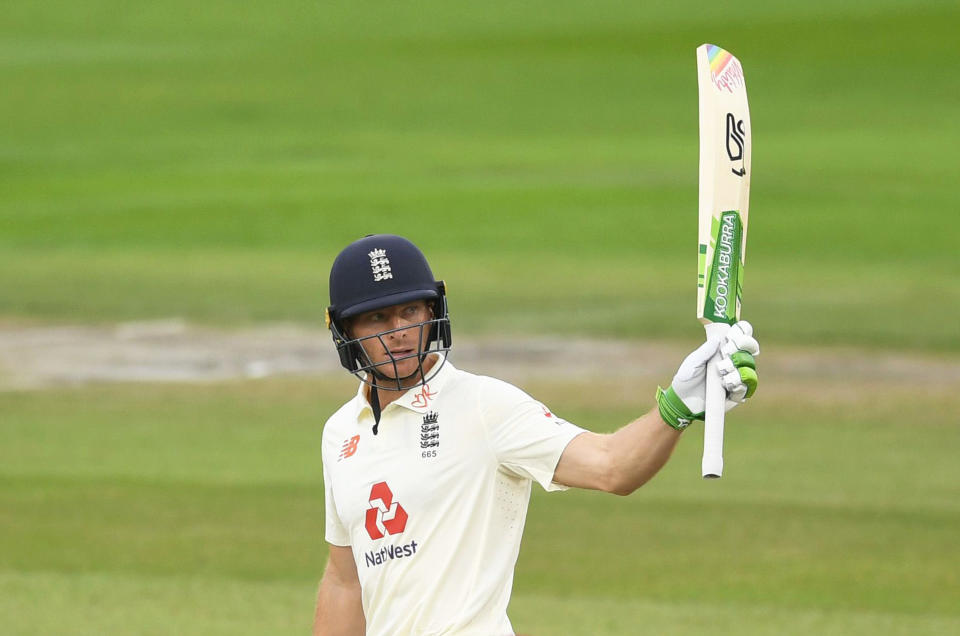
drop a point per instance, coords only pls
(725, 284)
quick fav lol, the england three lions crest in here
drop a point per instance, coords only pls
(430, 430)
(380, 265)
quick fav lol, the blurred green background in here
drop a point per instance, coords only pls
(208, 160)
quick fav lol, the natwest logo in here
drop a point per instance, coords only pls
(384, 516)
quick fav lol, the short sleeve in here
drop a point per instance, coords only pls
(336, 533)
(527, 438)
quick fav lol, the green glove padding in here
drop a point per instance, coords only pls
(747, 368)
(673, 411)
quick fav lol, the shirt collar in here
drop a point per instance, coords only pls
(418, 399)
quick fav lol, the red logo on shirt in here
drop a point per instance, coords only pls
(349, 447)
(384, 516)
(423, 397)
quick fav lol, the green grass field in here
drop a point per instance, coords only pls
(207, 161)
(545, 156)
(198, 510)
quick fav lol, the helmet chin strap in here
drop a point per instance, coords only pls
(375, 394)
(375, 405)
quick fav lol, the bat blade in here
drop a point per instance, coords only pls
(725, 145)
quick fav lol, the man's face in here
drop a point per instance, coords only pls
(399, 342)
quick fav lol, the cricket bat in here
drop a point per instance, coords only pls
(724, 193)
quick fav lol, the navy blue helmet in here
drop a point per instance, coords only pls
(378, 271)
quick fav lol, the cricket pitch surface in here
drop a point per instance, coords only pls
(38, 357)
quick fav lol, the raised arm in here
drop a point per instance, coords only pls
(339, 609)
(623, 461)
(618, 462)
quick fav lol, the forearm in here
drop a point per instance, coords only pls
(618, 462)
(339, 609)
(638, 451)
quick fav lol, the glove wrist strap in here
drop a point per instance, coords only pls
(673, 411)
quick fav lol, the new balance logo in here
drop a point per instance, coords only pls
(349, 447)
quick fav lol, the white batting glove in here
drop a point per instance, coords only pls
(685, 400)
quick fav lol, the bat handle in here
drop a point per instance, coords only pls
(712, 465)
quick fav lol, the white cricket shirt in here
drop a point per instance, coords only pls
(433, 506)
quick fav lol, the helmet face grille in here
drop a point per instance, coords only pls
(355, 359)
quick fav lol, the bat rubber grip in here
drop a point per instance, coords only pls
(716, 397)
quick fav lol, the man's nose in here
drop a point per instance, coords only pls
(396, 322)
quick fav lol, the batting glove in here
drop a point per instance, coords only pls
(685, 400)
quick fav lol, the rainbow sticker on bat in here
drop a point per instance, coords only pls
(725, 70)
(718, 58)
